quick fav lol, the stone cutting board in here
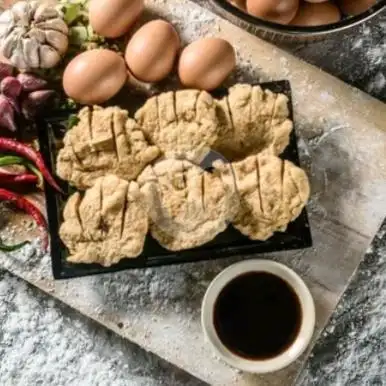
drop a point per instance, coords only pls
(342, 135)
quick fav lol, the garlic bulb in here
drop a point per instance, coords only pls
(33, 35)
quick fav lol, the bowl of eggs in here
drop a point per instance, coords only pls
(298, 19)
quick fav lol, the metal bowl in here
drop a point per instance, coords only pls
(274, 31)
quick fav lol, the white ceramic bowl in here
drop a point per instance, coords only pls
(306, 328)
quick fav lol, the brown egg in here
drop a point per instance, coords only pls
(314, 14)
(113, 18)
(276, 11)
(151, 52)
(355, 7)
(94, 76)
(205, 63)
(239, 4)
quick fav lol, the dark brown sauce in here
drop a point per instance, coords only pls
(257, 315)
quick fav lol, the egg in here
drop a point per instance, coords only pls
(314, 14)
(355, 7)
(113, 18)
(239, 4)
(276, 11)
(152, 51)
(94, 76)
(205, 63)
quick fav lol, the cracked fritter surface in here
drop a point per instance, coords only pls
(188, 206)
(105, 141)
(107, 224)
(252, 120)
(272, 192)
(183, 124)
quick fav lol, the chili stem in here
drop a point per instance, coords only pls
(37, 173)
(7, 144)
(11, 248)
(6, 160)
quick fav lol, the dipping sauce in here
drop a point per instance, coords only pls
(257, 315)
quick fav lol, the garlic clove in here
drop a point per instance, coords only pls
(33, 6)
(20, 12)
(15, 104)
(10, 87)
(6, 16)
(9, 44)
(7, 114)
(45, 12)
(30, 82)
(31, 11)
(37, 34)
(57, 40)
(31, 52)
(53, 24)
(17, 58)
(7, 22)
(49, 57)
(35, 102)
(18, 61)
(41, 97)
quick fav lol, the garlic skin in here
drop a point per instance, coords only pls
(33, 35)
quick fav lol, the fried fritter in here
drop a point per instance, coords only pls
(105, 141)
(183, 124)
(252, 120)
(107, 224)
(188, 206)
(272, 193)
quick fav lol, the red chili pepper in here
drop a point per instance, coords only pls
(11, 160)
(21, 203)
(18, 178)
(7, 144)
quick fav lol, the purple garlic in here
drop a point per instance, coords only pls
(10, 87)
(21, 95)
(7, 114)
(34, 102)
(31, 83)
(14, 103)
(5, 70)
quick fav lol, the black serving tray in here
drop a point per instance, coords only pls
(230, 242)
